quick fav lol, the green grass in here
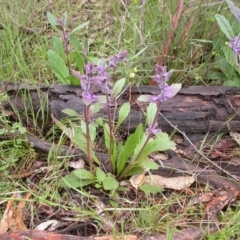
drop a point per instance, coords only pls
(138, 28)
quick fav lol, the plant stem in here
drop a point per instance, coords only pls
(88, 138)
(112, 166)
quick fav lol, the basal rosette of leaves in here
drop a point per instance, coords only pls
(70, 63)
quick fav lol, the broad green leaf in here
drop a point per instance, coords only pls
(139, 147)
(110, 183)
(145, 98)
(79, 27)
(232, 83)
(100, 174)
(77, 58)
(58, 66)
(71, 180)
(149, 164)
(53, 21)
(229, 55)
(80, 61)
(58, 46)
(117, 88)
(95, 108)
(129, 147)
(71, 112)
(114, 155)
(151, 113)
(83, 174)
(92, 129)
(111, 151)
(107, 136)
(135, 170)
(74, 182)
(113, 203)
(94, 59)
(123, 113)
(226, 68)
(73, 80)
(224, 26)
(75, 42)
(164, 141)
(150, 189)
(160, 143)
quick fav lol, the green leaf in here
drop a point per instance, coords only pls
(73, 80)
(224, 26)
(139, 147)
(117, 88)
(58, 46)
(83, 174)
(92, 129)
(71, 113)
(79, 27)
(110, 183)
(161, 143)
(95, 108)
(58, 66)
(123, 113)
(53, 21)
(129, 147)
(226, 68)
(71, 180)
(135, 170)
(80, 61)
(151, 113)
(113, 203)
(100, 174)
(107, 136)
(149, 165)
(75, 42)
(150, 189)
(94, 60)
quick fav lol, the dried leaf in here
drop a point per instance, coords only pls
(176, 183)
(137, 180)
(77, 164)
(49, 225)
(12, 217)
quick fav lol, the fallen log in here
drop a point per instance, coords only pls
(196, 109)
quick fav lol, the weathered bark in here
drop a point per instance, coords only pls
(195, 109)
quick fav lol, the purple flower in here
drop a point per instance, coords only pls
(90, 69)
(162, 76)
(167, 92)
(152, 130)
(88, 98)
(121, 57)
(234, 43)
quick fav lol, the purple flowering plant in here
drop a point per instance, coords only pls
(71, 64)
(232, 51)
